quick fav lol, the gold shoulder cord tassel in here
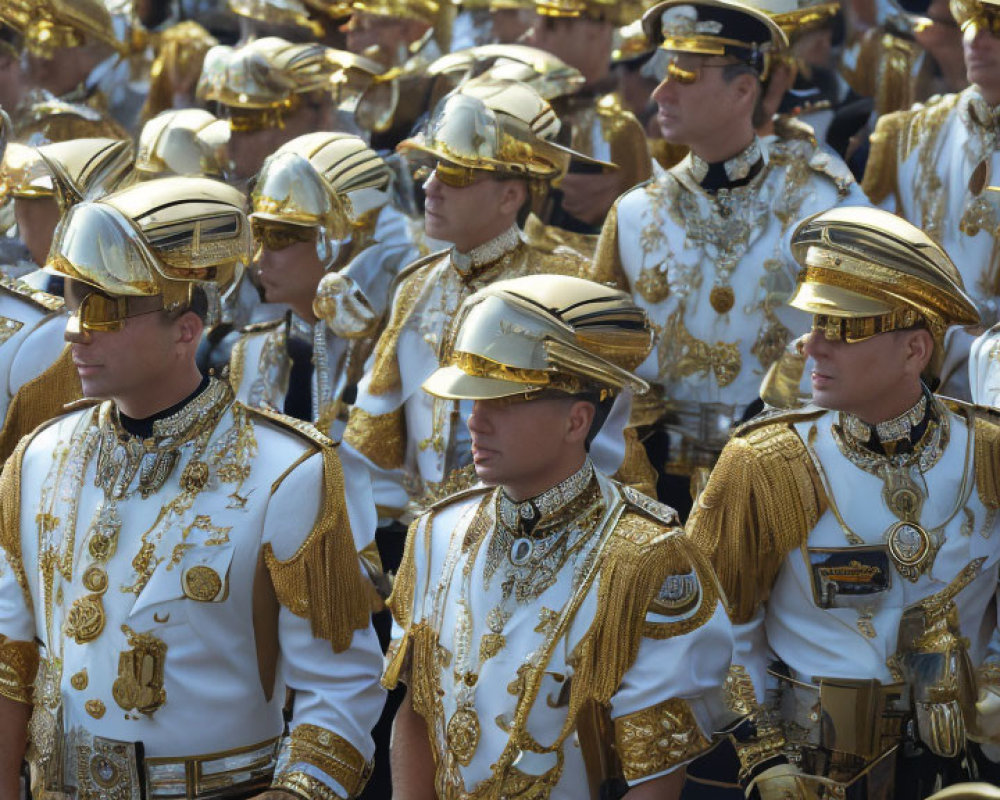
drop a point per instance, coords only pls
(322, 582)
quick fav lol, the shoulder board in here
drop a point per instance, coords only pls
(83, 402)
(458, 497)
(779, 416)
(44, 300)
(833, 167)
(965, 409)
(303, 429)
(788, 127)
(261, 327)
(414, 266)
(648, 507)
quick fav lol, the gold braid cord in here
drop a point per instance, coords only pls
(637, 560)
(657, 738)
(18, 665)
(379, 437)
(400, 602)
(762, 500)
(39, 400)
(322, 582)
(330, 753)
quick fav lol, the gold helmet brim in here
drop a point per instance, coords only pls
(452, 383)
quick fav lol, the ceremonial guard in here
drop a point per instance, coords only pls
(856, 540)
(43, 184)
(329, 244)
(72, 50)
(932, 165)
(172, 560)
(273, 91)
(548, 624)
(487, 151)
(595, 120)
(701, 244)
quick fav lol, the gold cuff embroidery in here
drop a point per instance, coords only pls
(304, 785)
(658, 738)
(18, 665)
(322, 582)
(379, 437)
(331, 753)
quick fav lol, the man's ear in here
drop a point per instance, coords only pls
(513, 196)
(581, 416)
(920, 349)
(189, 328)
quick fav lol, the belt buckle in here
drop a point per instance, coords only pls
(107, 769)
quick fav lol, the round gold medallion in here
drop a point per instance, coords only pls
(101, 547)
(909, 545)
(463, 735)
(722, 299)
(95, 579)
(201, 583)
(79, 681)
(85, 619)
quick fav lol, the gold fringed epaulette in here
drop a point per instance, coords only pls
(637, 560)
(301, 428)
(762, 500)
(322, 581)
(882, 169)
(400, 603)
(984, 424)
(45, 397)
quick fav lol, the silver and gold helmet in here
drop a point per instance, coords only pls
(160, 237)
(265, 80)
(67, 171)
(188, 141)
(503, 128)
(51, 25)
(332, 181)
(543, 332)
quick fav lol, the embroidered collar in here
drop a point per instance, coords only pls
(534, 513)
(981, 113)
(901, 434)
(188, 420)
(735, 171)
(486, 254)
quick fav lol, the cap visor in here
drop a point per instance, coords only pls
(817, 298)
(451, 383)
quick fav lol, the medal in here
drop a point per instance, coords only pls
(910, 548)
(520, 551)
(463, 735)
(722, 299)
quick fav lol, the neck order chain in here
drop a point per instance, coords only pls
(910, 545)
(563, 536)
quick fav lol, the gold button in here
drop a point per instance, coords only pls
(79, 681)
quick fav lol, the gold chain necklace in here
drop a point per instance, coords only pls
(910, 545)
